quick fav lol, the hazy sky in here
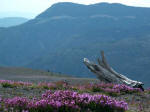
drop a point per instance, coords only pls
(34, 7)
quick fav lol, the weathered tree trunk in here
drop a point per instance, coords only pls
(106, 74)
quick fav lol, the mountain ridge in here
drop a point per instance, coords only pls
(67, 7)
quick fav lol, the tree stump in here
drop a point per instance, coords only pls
(106, 73)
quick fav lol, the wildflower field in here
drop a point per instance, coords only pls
(61, 96)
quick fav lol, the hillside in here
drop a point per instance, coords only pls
(37, 76)
(59, 38)
(12, 21)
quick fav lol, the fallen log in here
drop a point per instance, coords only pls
(107, 74)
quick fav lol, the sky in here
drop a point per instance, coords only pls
(31, 8)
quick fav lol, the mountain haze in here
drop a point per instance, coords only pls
(12, 21)
(59, 38)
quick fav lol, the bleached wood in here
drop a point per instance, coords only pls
(107, 74)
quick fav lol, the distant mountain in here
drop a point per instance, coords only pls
(12, 21)
(59, 38)
(5, 14)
